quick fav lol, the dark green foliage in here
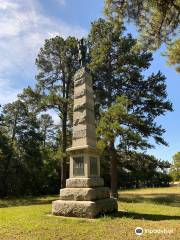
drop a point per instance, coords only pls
(6, 165)
(117, 71)
(137, 170)
(142, 170)
(57, 63)
(157, 22)
(33, 157)
(175, 167)
(25, 167)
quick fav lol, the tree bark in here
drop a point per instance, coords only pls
(64, 146)
(113, 171)
(66, 89)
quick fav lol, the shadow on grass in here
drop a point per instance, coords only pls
(143, 216)
(167, 199)
(26, 201)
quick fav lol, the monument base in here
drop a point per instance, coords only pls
(84, 197)
(84, 194)
(84, 209)
(84, 182)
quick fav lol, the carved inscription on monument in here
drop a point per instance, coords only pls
(78, 166)
(79, 134)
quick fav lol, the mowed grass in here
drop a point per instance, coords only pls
(153, 209)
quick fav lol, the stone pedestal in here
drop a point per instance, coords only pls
(85, 194)
(84, 209)
(84, 198)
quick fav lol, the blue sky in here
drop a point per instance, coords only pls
(25, 24)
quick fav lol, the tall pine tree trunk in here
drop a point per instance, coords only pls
(113, 171)
(64, 146)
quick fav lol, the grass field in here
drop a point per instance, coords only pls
(151, 209)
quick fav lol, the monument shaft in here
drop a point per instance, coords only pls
(83, 117)
(85, 194)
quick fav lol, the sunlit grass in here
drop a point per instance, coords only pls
(30, 218)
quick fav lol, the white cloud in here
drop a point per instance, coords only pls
(7, 92)
(7, 4)
(23, 29)
(61, 2)
(54, 116)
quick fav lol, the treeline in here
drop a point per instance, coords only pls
(28, 149)
(33, 158)
(175, 167)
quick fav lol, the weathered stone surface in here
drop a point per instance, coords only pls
(79, 134)
(79, 94)
(74, 208)
(83, 112)
(78, 115)
(84, 182)
(86, 209)
(107, 205)
(84, 106)
(80, 107)
(84, 194)
(84, 92)
(90, 128)
(79, 121)
(82, 73)
(79, 82)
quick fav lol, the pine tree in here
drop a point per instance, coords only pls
(157, 22)
(117, 71)
(57, 63)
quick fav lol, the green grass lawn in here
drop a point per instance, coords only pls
(153, 209)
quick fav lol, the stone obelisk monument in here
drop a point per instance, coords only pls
(85, 194)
